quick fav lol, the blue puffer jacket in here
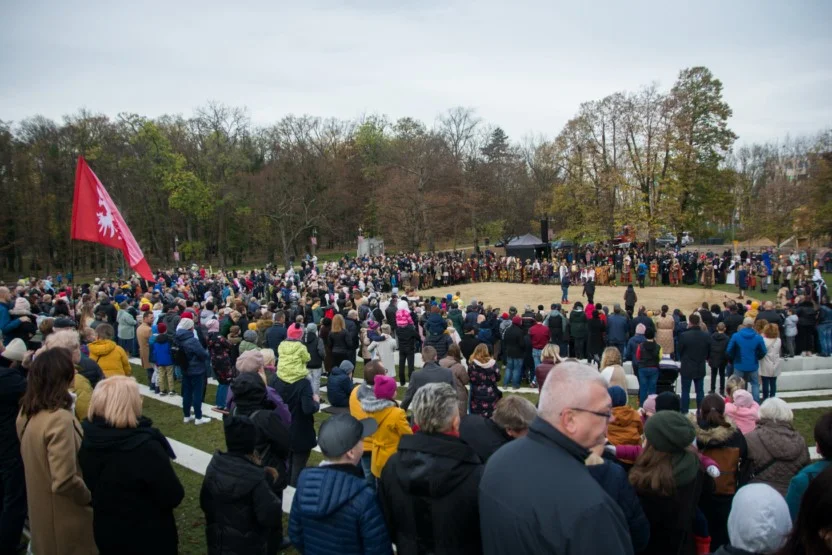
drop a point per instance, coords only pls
(339, 385)
(745, 349)
(335, 511)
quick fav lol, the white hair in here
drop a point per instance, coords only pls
(567, 385)
(776, 409)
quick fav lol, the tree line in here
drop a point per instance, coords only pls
(221, 190)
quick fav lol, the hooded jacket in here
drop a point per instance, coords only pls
(292, 357)
(626, 428)
(726, 445)
(335, 511)
(578, 323)
(161, 350)
(759, 522)
(745, 349)
(129, 470)
(240, 506)
(485, 391)
(338, 387)
(110, 357)
(198, 357)
(392, 425)
(483, 435)
(777, 453)
(428, 493)
(126, 325)
(440, 342)
(744, 411)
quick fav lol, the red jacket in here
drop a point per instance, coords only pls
(539, 335)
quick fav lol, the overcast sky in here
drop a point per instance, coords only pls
(523, 65)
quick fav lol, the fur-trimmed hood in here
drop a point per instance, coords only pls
(486, 365)
(713, 436)
(369, 401)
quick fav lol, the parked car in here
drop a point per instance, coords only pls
(562, 244)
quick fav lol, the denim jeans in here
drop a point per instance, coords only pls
(769, 387)
(536, 356)
(647, 380)
(699, 385)
(753, 379)
(192, 395)
(222, 393)
(514, 371)
(565, 293)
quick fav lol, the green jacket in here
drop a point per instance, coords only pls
(292, 357)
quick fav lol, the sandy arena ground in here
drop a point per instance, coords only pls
(504, 295)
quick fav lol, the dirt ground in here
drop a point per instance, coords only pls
(504, 295)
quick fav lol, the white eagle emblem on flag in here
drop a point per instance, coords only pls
(106, 223)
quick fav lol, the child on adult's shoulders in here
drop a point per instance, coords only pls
(740, 406)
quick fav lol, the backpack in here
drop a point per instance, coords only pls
(178, 354)
(728, 461)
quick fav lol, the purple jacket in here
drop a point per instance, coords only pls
(280, 408)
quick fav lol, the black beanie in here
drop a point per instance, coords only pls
(667, 400)
(240, 435)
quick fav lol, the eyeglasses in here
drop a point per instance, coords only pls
(606, 415)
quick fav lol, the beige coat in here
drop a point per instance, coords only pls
(664, 333)
(60, 514)
(461, 381)
(143, 334)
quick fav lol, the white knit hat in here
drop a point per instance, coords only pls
(15, 350)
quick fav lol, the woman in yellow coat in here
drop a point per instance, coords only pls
(110, 357)
(81, 387)
(60, 515)
(391, 420)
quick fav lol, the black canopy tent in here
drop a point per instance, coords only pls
(527, 247)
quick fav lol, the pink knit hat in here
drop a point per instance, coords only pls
(384, 387)
(294, 332)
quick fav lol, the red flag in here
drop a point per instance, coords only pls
(95, 218)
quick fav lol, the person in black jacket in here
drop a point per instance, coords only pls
(296, 391)
(13, 502)
(670, 484)
(273, 440)
(353, 329)
(339, 341)
(518, 512)
(407, 337)
(514, 346)
(428, 489)
(718, 358)
(469, 341)
(317, 354)
(276, 333)
(613, 478)
(511, 419)
(240, 506)
(126, 464)
(694, 351)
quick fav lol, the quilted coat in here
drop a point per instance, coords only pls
(335, 511)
